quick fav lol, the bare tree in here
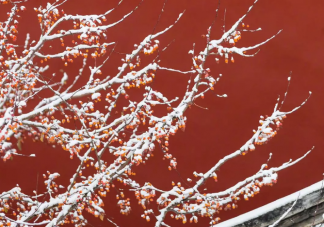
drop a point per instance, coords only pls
(131, 137)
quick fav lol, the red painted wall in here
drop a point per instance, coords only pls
(252, 86)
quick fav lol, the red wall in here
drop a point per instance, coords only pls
(252, 86)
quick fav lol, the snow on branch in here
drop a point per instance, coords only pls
(130, 138)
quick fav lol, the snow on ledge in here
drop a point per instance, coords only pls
(270, 206)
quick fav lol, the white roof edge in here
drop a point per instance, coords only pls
(270, 206)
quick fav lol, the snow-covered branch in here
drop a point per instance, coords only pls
(131, 137)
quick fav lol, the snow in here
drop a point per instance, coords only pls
(139, 142)
(64, 78)
(22, 103)
(95, 96)
(271, 206)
